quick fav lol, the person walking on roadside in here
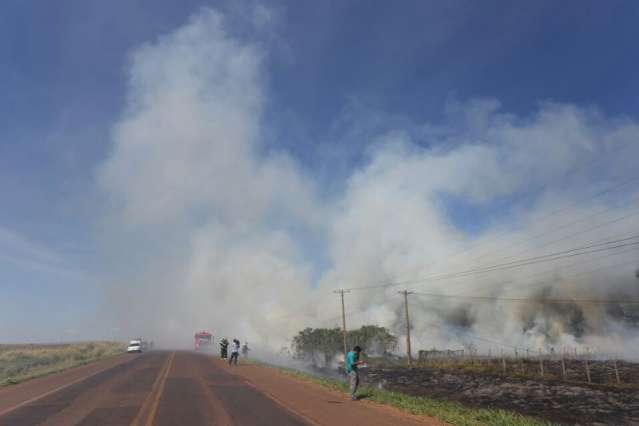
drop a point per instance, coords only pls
(235, 351)
(352, 361)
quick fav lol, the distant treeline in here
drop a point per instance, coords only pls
(320, 345)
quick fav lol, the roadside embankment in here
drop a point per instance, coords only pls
(415, 408)
(23, 362)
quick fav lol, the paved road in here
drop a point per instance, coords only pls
(156, 388)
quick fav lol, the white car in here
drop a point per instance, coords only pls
(134, 346)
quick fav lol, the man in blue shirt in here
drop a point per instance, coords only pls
(352, 361)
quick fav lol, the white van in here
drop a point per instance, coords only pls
(135, 346)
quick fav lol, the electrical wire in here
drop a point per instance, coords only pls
(550, 301)
(578, 251)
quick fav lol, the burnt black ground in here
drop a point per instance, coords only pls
(569, 403)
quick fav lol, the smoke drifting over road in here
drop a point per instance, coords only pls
(207, 227)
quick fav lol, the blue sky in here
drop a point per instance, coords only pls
(332, 70)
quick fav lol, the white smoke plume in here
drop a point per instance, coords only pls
(209, 227)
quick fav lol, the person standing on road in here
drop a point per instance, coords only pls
(235, 351)
(223, 348)
(245, 349)
(352, 361)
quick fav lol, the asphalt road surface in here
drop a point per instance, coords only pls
(155, 388)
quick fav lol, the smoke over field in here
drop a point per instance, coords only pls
(207, 225)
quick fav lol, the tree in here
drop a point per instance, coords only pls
(320, 345)
(373, 339)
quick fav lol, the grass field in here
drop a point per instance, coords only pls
(449, 412)
(23, 362)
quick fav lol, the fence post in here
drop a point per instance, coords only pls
(614, 363)
(563, 367)
(521, 365)
(541, 364)
(587, 367)
(503, 362)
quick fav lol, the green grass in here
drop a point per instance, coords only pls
(23, 362)
(450, 412)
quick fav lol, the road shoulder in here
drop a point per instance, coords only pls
(14, 396)
(320, 405)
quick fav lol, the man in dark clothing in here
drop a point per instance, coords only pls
(224, 348)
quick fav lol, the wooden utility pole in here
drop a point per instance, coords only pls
(341, 291)
(408, 350)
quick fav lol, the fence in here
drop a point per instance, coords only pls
(424, 355)
(567, 365)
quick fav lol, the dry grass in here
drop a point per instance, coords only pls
(23, 362)
(452, 413)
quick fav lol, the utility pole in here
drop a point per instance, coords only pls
(341, 292)
(409, 353)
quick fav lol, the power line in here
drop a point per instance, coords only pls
(551, 301)
(546, 216)
(313, 303)
(542, 259)
(524, 262)
(596, 247)
(578, 251)
(539, 220)
(583, 231)
(565, 237)
(350, 314)
(592, 244)
(554, 270)
(549, 215)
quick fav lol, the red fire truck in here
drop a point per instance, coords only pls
(203, 340)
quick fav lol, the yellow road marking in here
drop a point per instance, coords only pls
(156, 402)
(155, 395)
